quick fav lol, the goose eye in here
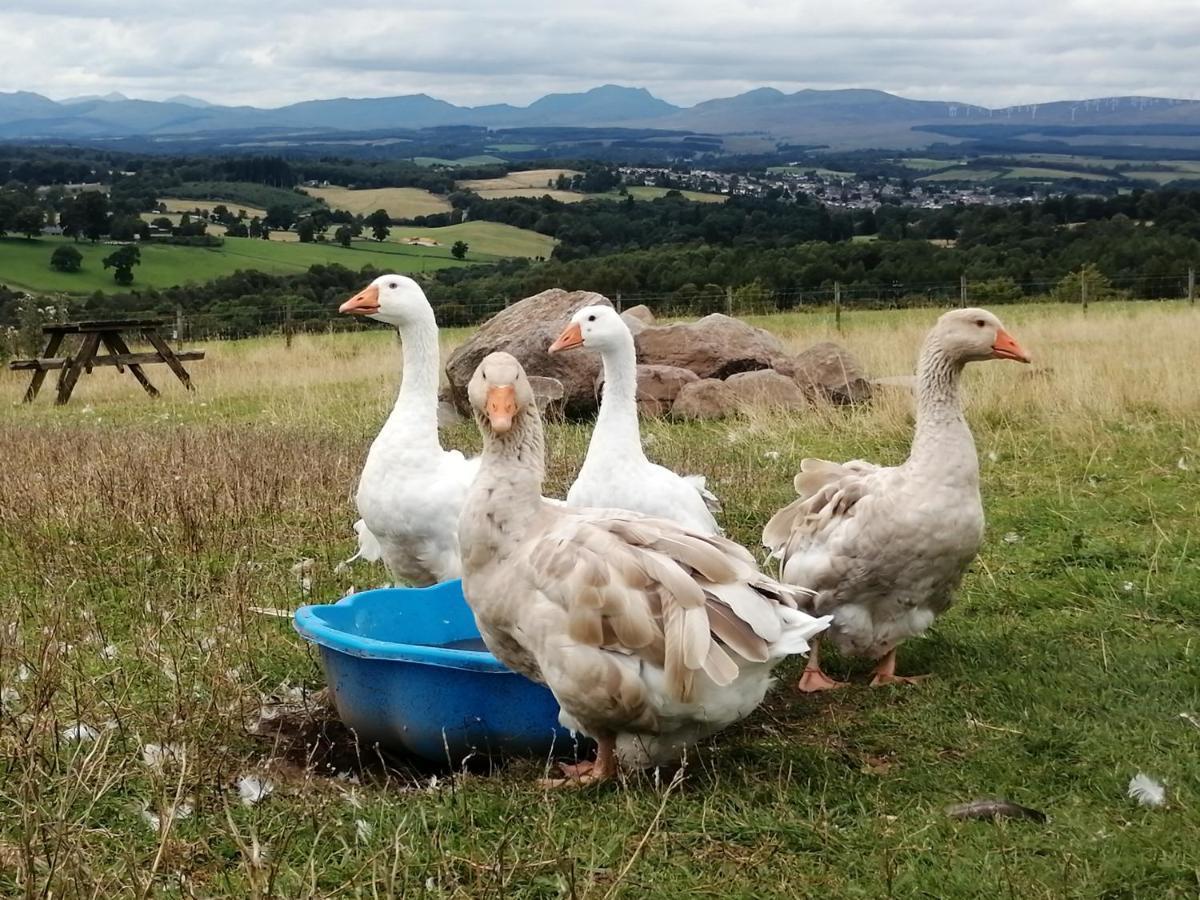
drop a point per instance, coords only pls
(980, 322)
(591, 318)
(392, 284)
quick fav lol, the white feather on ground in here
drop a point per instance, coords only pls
(1147, 791)
(252, 789)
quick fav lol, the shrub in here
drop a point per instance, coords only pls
(66, 258)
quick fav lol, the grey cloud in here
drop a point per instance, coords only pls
(470, 51)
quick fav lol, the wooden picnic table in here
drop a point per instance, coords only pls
(92, 335)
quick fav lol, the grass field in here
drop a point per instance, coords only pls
(400, 203)
(963, 174)
(212, 228)
(487, 238)
(800, 170)
(644, 192)
(533, 183)
(480, 160)
(182, 205)
(26, 264)
(925, 164)
(1035, 172)
(136, 534)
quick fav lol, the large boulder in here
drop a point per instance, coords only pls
(828, 372)
(714, 347)
(707, 398)
(657, 387)
(549, 396)
(637, 318)
(766, 388)
(525, 330)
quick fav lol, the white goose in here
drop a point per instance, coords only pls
(885, 548)
(616, 472)
(650, 635)
(411, 490)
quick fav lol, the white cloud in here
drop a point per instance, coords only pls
(470, 51)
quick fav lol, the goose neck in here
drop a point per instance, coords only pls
(512, 469)
(617, 428)
(415, 412)
(943, 439)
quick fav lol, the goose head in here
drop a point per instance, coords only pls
(594, 327)
(499, 391)
(394, 299)
(970, 335)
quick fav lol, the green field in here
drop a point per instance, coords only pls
(1036, 172)
(492, 239)
(926, 164)
(137, 536)
(643, 192)
(801, 170)
(479, 160)
(963, 174)
(245, 194)
(26, 264)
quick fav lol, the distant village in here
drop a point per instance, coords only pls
(843, 190)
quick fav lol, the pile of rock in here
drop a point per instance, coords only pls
(715, 367)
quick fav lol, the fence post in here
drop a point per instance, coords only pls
(837, 305)
(1192, 285)
(179, 321)
(962, 289)
(1083, 289)
(729, 301)
(287, 323)
(619, 305)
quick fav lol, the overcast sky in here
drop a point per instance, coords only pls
(476, 51)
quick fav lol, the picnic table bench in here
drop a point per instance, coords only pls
(93, 334)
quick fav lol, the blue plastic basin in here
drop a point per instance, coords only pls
(395, 683)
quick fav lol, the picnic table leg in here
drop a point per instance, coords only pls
(39, 375)
(168, 355)
(116, 345)
(72, 371)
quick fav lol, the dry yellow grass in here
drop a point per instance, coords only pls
(182, 205)
(1118, 359)
(400, 203)
(534, 183)
(213, 227)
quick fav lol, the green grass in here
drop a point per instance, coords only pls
(926, 164)
(26, 264)
(963, 174)
(149, 527)
(243, 192)
(487, 238)
(801, 170)
(1037, 172)
(478, 160)
(645, 192)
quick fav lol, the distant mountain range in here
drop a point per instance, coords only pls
(837, 118)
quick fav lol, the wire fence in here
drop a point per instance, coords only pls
(747, 300)
(253, 316)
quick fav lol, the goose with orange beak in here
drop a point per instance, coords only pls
(651, 635)
(616, 471)
(411, 489)
(885, 547)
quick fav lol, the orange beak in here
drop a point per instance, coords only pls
(501, 407)
(572, 336)
(364, 303)
(1006, 347)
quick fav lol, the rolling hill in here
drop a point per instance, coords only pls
(837, 118)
